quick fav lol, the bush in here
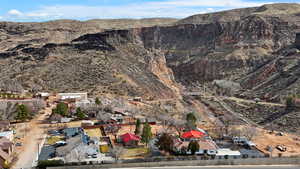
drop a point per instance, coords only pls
(49, 163)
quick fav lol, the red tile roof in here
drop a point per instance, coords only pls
(130, 137)
(193, 134)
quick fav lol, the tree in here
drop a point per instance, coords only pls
(62, 109)
(191, 120)
(117, 151)
(147, 134)
(137, 127)
(249, 132)
(22, 112)
(97, 101)
(193, 147)
(80, 114)
(165, 143)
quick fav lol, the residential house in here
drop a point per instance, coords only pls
(207, 146)
(130, 139)
(71, 132)
(47, 153)
(76, 96)
(78, 149)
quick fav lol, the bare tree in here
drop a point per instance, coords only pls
(235, 132)
(249, 132)
(117, 152)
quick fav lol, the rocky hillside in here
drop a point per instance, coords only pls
(72, 55)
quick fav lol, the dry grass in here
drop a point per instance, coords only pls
(93, 132)
(54, 139)
(135, 152)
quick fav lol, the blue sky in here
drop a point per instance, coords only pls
(43, 10)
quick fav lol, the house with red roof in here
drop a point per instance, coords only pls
(193, 134)
(130, 139)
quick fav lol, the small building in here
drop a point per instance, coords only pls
(65, 120)
(243, 141)
(43, 94)
(85, 123)
(71, 132)
(130, 139)
(227, 153)
(193, 134)
(76, 96)
(55, 117)
(7, 134)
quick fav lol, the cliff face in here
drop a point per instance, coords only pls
(141, 61)
(297, 41)
(204, 52)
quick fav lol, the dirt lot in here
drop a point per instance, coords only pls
(291, 142)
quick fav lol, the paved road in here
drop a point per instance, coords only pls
(224, 167)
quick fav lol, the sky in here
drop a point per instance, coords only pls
(44, 10)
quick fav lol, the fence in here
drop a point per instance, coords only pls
(250, 161)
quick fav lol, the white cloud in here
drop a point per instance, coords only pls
(15, 12)
(167, 8)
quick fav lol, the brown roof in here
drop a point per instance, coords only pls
(55, 117)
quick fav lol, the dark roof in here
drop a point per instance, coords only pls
(72, 143)
(71, 132)
(47, 152)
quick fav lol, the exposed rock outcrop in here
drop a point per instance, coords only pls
(297, 41)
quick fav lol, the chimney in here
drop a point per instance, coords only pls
(297, 41)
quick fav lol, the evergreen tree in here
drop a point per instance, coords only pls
(193, 147)
(22, 113)
(62, 109)
(137, 127)
(147, 134)
(97, 101)
(191, 119)
(80, 114)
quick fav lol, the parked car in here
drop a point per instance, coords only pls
(281, 148)
(18, 144)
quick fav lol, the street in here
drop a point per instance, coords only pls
(34, 140)
(221, 167)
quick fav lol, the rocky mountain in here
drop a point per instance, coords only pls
(137, 58)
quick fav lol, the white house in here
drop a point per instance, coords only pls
(76, 96)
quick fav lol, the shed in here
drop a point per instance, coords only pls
(227, 152)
